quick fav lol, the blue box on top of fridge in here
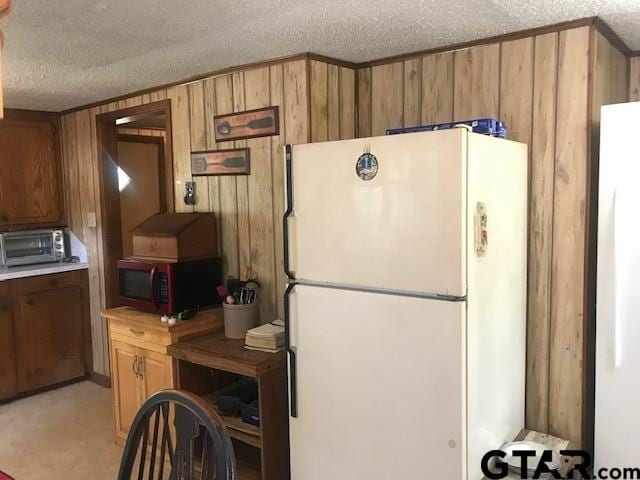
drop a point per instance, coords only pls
(485, 126)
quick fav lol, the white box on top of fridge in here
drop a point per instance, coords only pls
(405, 310)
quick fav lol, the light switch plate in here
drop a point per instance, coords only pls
(91, 219)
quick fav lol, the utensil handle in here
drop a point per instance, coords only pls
(260, 123)
(293, 383)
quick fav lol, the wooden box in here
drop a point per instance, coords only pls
(172, 237)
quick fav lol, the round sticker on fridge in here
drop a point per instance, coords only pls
(367, 166)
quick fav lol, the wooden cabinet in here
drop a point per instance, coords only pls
(30, 184)
(140, 365)
(8, 386)
(125, 384)
(155, 371)
(45, 336)
(49, 336)
(136, 375)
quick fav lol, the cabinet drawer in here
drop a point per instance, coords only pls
(140, 333)
(43, 283)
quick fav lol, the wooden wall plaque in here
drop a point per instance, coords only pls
(220, 162)
(261, 122)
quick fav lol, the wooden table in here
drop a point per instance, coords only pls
(210, 361)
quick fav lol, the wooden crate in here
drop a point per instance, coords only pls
(175, 236)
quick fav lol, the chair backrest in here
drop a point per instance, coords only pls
(198, 440)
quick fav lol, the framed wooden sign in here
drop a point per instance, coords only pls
(220, 162)
(250, 124)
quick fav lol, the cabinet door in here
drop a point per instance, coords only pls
(30, 175)
(126, 388)
(156, 372)
(7, 353)
(49, 337)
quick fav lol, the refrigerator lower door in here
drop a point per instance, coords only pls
(400, 229)
(380, 386)
(617, 419)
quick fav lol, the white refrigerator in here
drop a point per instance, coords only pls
(405, 309)
(617, 395)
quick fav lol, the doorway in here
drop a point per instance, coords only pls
(136, 177)
(140, 180)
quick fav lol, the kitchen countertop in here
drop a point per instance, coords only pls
(39, 269)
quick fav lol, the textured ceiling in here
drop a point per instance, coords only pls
(61, 54)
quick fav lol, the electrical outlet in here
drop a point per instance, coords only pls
(91, 220)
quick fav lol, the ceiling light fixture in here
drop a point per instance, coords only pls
(5, 9)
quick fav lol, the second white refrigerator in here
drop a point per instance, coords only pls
(617, 384)
(405, 311)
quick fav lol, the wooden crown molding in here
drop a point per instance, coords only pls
(595, 22)
(195, 78)
(580, 22)
(608, 33)
(21, 114)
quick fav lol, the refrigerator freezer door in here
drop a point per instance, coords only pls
(617, 331)
(403, 229)
(380, 386)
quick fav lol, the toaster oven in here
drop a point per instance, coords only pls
(33, 246)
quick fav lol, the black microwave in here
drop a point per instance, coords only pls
(170, 287)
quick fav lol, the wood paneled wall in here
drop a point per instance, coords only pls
(540, 87)
(546, 87)
(634, 80)
(333, 104)
(249, 208)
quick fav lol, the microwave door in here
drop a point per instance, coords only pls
(140, 287)
(136, 285)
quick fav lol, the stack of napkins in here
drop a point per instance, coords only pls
(266, 338)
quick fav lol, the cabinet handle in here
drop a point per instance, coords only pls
(135, 366)
(141, 367)
(136, 332)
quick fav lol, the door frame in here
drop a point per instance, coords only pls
(107, 145)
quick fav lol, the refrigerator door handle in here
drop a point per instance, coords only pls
(291, 352)
(289, 211)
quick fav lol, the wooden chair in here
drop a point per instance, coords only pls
(199, 437)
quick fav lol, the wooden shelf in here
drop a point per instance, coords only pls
(245, 432)
(246, 469)
(249, 434)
